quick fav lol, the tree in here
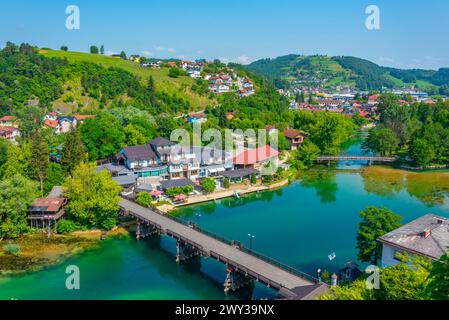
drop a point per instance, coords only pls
(422, 151)
(253, 178)
(94, 49)
(16, 195)
(381, 141)
(102, 136)
(55, 177)
(308, 152)
(208, 185)
(39, 159)
(73, 152)
(134, 135)
(438, 287)
(18, 162)
(102, 49)
(123, 55)
(64, 48)
(93, 198)
(375, 223)
(173, 73)
(226, 183)
(144, 199)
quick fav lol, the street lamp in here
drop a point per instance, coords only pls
(251, 238)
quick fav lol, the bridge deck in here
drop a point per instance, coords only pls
(212, 247)
(361, 158)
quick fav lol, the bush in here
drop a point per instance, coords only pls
(226, 183)
(173, 192)
(67, 226)
(144, 199)
(174, 73)
(13, 249)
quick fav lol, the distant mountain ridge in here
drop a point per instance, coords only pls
(347, 72)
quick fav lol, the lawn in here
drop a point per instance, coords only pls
(180, 86)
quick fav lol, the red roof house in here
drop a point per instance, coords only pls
(257, 156)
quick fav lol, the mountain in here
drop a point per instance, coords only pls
(334, 73)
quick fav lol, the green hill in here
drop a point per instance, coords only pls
(334, 73)
(181, 86)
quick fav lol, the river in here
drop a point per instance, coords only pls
(300, 225)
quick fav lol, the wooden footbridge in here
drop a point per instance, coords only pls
(243, 266)
(369, 159)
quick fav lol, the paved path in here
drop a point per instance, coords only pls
(276, 277)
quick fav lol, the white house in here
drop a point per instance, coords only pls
(427, 236)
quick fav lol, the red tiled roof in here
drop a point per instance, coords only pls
(51, 123)
(8, 118)
(253, 156)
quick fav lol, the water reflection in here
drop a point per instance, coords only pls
(324, 182)
(432, 188)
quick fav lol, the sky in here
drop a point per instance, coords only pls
(412, 34)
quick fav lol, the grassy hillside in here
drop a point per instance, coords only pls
(180, 86)
(350, 72)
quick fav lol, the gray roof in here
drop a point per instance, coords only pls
(125, 180)
(176, 183)
(56, 192)
(239, 173)
(428, 235)
(146, 187)
(114, 169)
(161, 142)
(139, 153)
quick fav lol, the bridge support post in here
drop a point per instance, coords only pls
(185, 252)
(235, 281)
(144, 230)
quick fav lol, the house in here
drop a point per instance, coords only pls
(9, 133)
(222, 88)
(196, 74)
(134, 57)
(199, 117)
(427, 236)
(46, 212)
(239, 175)
(256, 158)
(374, 99)
(144, 161)
(66, 124)
(52, 124)
(295, 138)
(172, 64)
(9, 121)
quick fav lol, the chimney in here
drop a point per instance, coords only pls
(426, 233)
(439, 221)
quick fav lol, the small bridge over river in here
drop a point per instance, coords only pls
(243, 265)
(369, 159)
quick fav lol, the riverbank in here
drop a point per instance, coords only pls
(241, 190)
(37, 251)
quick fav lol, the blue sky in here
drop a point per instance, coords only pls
(413, 33)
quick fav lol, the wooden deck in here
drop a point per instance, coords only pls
(258, 267)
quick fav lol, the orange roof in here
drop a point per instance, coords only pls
(4, 130)
(8, 118)
(51, 123)
(252, 156)
(292, 134)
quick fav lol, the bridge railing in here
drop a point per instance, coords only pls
(238, 245)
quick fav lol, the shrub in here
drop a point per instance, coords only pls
(13, 249)
(67, 226)
(226, 183)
